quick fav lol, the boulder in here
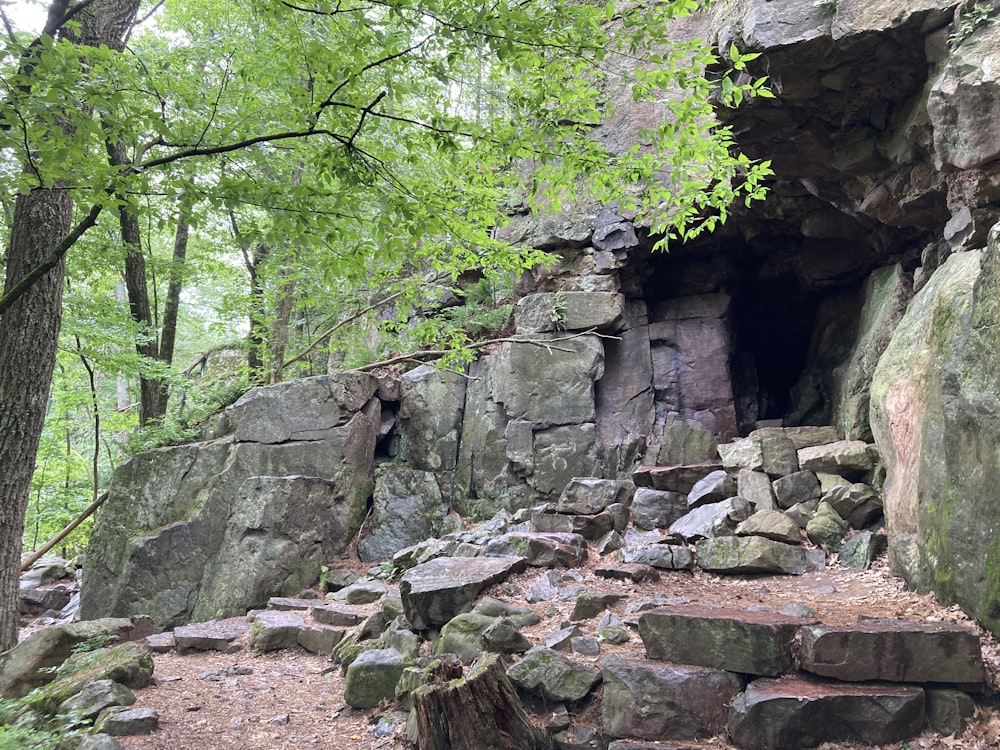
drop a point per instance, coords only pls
(652, 701)
(713, 488)
(858, 504)
(211, 529)
(553, 676)
(372, 677)
(95, 697)
(715, 519)
(790, 712)
(588, 496)
(125, 722)
(503, 637)
(771, 524)
(540, 550)
(273, 631)
(756, 488)
(589, 527)
(680, 479)
(657, 509)
(663, 556)
(435, 591)
(826, 529)
(681, 442)
(894, 651)
(733, 640)
(852, 459)
(462, 635)
(750, 554)
(407, 508)
(213, 635)
(860, 550)
(794, 488)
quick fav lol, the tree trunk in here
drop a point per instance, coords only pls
(29, 332)
(480, 711)
(29, 329)
(152, 395)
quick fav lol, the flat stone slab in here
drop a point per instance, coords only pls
(341, 615)
(894, 650)
(435, 591)
(276, 629)
(214, 635)
(733, 640)
(673, 478)
(751, 554)
(553, 550)
(553, 676)
(650, 701)
(291, 603)
(792, 712)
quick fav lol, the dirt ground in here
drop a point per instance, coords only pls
(293, 699)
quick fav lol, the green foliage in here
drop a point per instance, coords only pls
(975, 14)
(21, 728)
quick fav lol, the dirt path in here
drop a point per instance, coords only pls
(292, 699)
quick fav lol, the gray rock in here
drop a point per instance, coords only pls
(214, 635)
(553, 676)
(561, 453)
(795, 488)
(750, 554)
(521, 617)
(848, 458)
(549, 385)
(429, 420)
(680, 479)
(610, 542)
(895, 651)
(96, 697)
(119, 721)
(503, 637)
(437, 590)
(709, 521)
(734, 640)
(372, 677)
(588, 496)
(651, 701)
(569, 311)
(407, 508)
(363, 591)
(589, 527)
(948, 710)
(682, 442)
(755, 487)
(714, 488)
(338, 614)
(858, 504)
(743, 454)
(662, 556)
(861, 550)
(99, 742)
(561, 640)
(793, 712)
(637, 573)
(585, 645)
(657, 509)
(771, 524)
(320, 639)
(272, 631)
(806, 436)
(590, 604)
(578, 738)
(463, 636)
(826, 529)
(540, 550)
(545, 588)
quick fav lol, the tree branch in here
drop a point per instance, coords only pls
(51, 261)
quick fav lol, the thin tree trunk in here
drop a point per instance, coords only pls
(29, 328)
(152, 401)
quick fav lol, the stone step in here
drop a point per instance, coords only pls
(213, 635)
(655, 701)
(791, 712)
(758, 643)
(894, 650)
(552, 550)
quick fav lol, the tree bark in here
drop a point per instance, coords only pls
(480, 711)
(29, 328)
(29, 332)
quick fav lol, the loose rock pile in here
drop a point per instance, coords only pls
(777, 502)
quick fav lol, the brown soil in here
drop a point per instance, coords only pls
(292, 699)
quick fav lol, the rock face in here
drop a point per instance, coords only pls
(935, 408)
(212, 529)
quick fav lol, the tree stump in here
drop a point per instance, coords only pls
(479, 712)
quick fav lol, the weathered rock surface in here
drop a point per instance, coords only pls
(893, 651)
(553, 676)
(645, 700)
(712, 520)
(407, 508)
(792, 712)
(436, 591)
(729, 639)
(751, 554)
